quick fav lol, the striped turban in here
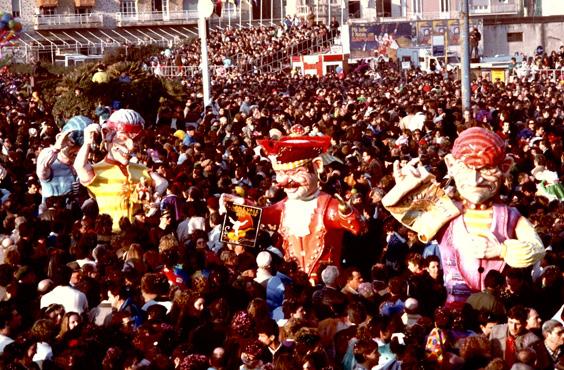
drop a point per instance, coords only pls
(478, 147)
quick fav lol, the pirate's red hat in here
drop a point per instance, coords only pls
(295, 150)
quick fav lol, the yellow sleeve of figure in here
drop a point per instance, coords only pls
(526, 249)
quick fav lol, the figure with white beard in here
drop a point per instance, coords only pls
(310, 221)
(112, 181)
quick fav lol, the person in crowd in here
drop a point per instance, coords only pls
(329, 296)
(488, 300)
(534, 322)
(549, 350)
(6, 328)
(509, 338)
(68, 295)
(354, 279)
(475, 37)
(366, 354)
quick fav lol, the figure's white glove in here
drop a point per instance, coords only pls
(484, 246)
(407, 179)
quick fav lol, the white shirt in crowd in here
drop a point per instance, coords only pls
(4, 341)
(187, 227)
(73, 300)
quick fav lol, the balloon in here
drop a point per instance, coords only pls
(10, 29)
(339, 69)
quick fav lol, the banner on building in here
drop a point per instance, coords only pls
(424, 33)
(373, 39)
(368, 40)
(453, 32)
(440, 26)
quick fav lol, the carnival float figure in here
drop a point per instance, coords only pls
(112, 181)
(311, 222)
(55, 164)
(477, 233)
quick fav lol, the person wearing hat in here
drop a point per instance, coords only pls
(310, 221)
(477, 233)
(112, 181)
(54, 164)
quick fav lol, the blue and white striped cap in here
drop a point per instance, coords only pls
(76, 126)
(77, 123)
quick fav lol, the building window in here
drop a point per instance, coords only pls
(354, 9)
(47, 11)
(417, 6)
(383, 8)
(16, 8)
(160, 6)
(127, 7)
(514, 36)
(83, 11)
(445, 6)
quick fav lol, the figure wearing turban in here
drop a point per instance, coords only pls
(478, 233)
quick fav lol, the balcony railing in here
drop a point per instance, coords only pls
(494, 7)
(320, 11)
(185, 16)
(500, 8)
(62, 21)
(453, 13)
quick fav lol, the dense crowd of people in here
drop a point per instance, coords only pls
(247, 47)
(163, 292)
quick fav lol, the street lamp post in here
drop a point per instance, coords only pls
(329, 14)
(205, 10)
(465, 46)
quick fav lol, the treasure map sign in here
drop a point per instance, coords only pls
(241, 224)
